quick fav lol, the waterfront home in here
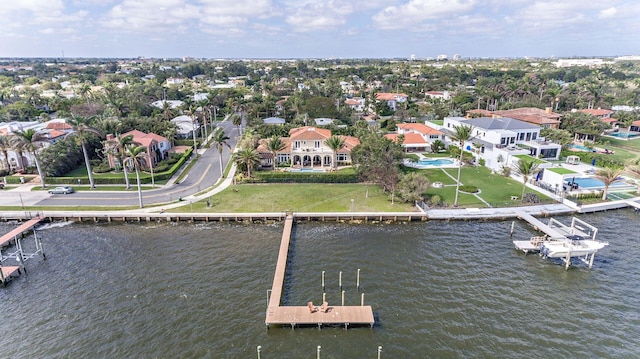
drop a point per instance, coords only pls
(305, 148)
(597, 112)
(417, 137)
(500, 139)
(542, 118)
(157, 147)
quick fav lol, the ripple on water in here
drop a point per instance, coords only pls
(437, 289)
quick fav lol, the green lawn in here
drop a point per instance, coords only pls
(530, 158)
(561, 170)
(299, 198)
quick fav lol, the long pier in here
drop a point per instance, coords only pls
(308, 314)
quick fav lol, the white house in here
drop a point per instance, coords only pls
(392, 99)
(356, 103)
(502, 138)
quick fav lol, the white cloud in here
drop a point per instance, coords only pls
(607, 13)
(417, 12)
(143, 16)
(318, 15)
(232, 15)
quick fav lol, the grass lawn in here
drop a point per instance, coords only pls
(530, 158)
(299, 198)
(495, 189)
(561, 170)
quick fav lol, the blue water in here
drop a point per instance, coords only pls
(306, 170)
(588, 182)
(625, 134)
(581, 148)
(436, 162)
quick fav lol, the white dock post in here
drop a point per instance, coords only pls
(362, 300)
(358, 279)
(513, 223)
(568, 260)
(318, 352)
(259, 349)
(591, 260)
(379, 350)
(324, 297)
(343, 298)
(340, 280)
(323, 281)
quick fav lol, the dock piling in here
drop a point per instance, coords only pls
(379, 350)
(259, 349)
(340, 280)
(362, 299)
(513, 223)
(323, 281)
(342, 298)
(358, 279)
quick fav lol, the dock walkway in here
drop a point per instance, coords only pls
(303, 315)
(28, 225)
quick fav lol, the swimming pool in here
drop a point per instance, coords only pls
(305, 170)
(623, 134)
(436, 162)
(591, 183)
(581, 148)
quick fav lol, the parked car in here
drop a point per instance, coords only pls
(61, 190)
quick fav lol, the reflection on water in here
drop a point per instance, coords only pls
(437, 289)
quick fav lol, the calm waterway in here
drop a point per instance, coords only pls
(438, 289)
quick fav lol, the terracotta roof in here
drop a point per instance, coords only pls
(609, 120)
(349, 143)
(56, 133)
(419, 127)
(262, 146)
(387, 96)
(635, 123)
(597, 111)
(352, 102)
(144, 138)
(409, 138)
(309, 133)
(527, 111)
(480, 112)
(59, 126)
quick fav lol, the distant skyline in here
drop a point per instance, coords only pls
(318, 28)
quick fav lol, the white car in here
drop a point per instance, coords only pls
(61, 190)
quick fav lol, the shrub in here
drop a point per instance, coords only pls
(469, 189)
(435, 200)
(101, 168)
(288, 177)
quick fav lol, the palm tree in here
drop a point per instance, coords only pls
(119, 145)
(247, 157)
(81, 132)
(608, 176)
(335, 143)
(275, 145)
(526, 169)
(32, 141)
(237, 121)
(634, 170)
(220, 140)
(5, 144)
(136, 157)
(461, 134)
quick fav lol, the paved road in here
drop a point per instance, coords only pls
(202, 175)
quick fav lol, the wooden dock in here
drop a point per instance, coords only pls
(303, 315)
(553, 233)
(6, 272)
(13, 234)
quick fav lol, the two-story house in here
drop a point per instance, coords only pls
(392, 99)
(306, 148)
(501, 138)
(157, 147)
(416, 136)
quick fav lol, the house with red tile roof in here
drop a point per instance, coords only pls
(356, 103)
(392, 99)
(635, 126)
(305, 148)
(157, 147)
(416, 136)
(598, 112)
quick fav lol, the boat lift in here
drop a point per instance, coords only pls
(577, 240)
(20, 253)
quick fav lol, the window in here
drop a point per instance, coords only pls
(296, 144)
(528, 136)
(520, 136)
(534, 136)
(316, 144)
(342, 156)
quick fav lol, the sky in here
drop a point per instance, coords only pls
(318, 28)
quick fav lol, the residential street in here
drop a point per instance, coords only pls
(204, 174)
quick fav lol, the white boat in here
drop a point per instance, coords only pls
(573, 248)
